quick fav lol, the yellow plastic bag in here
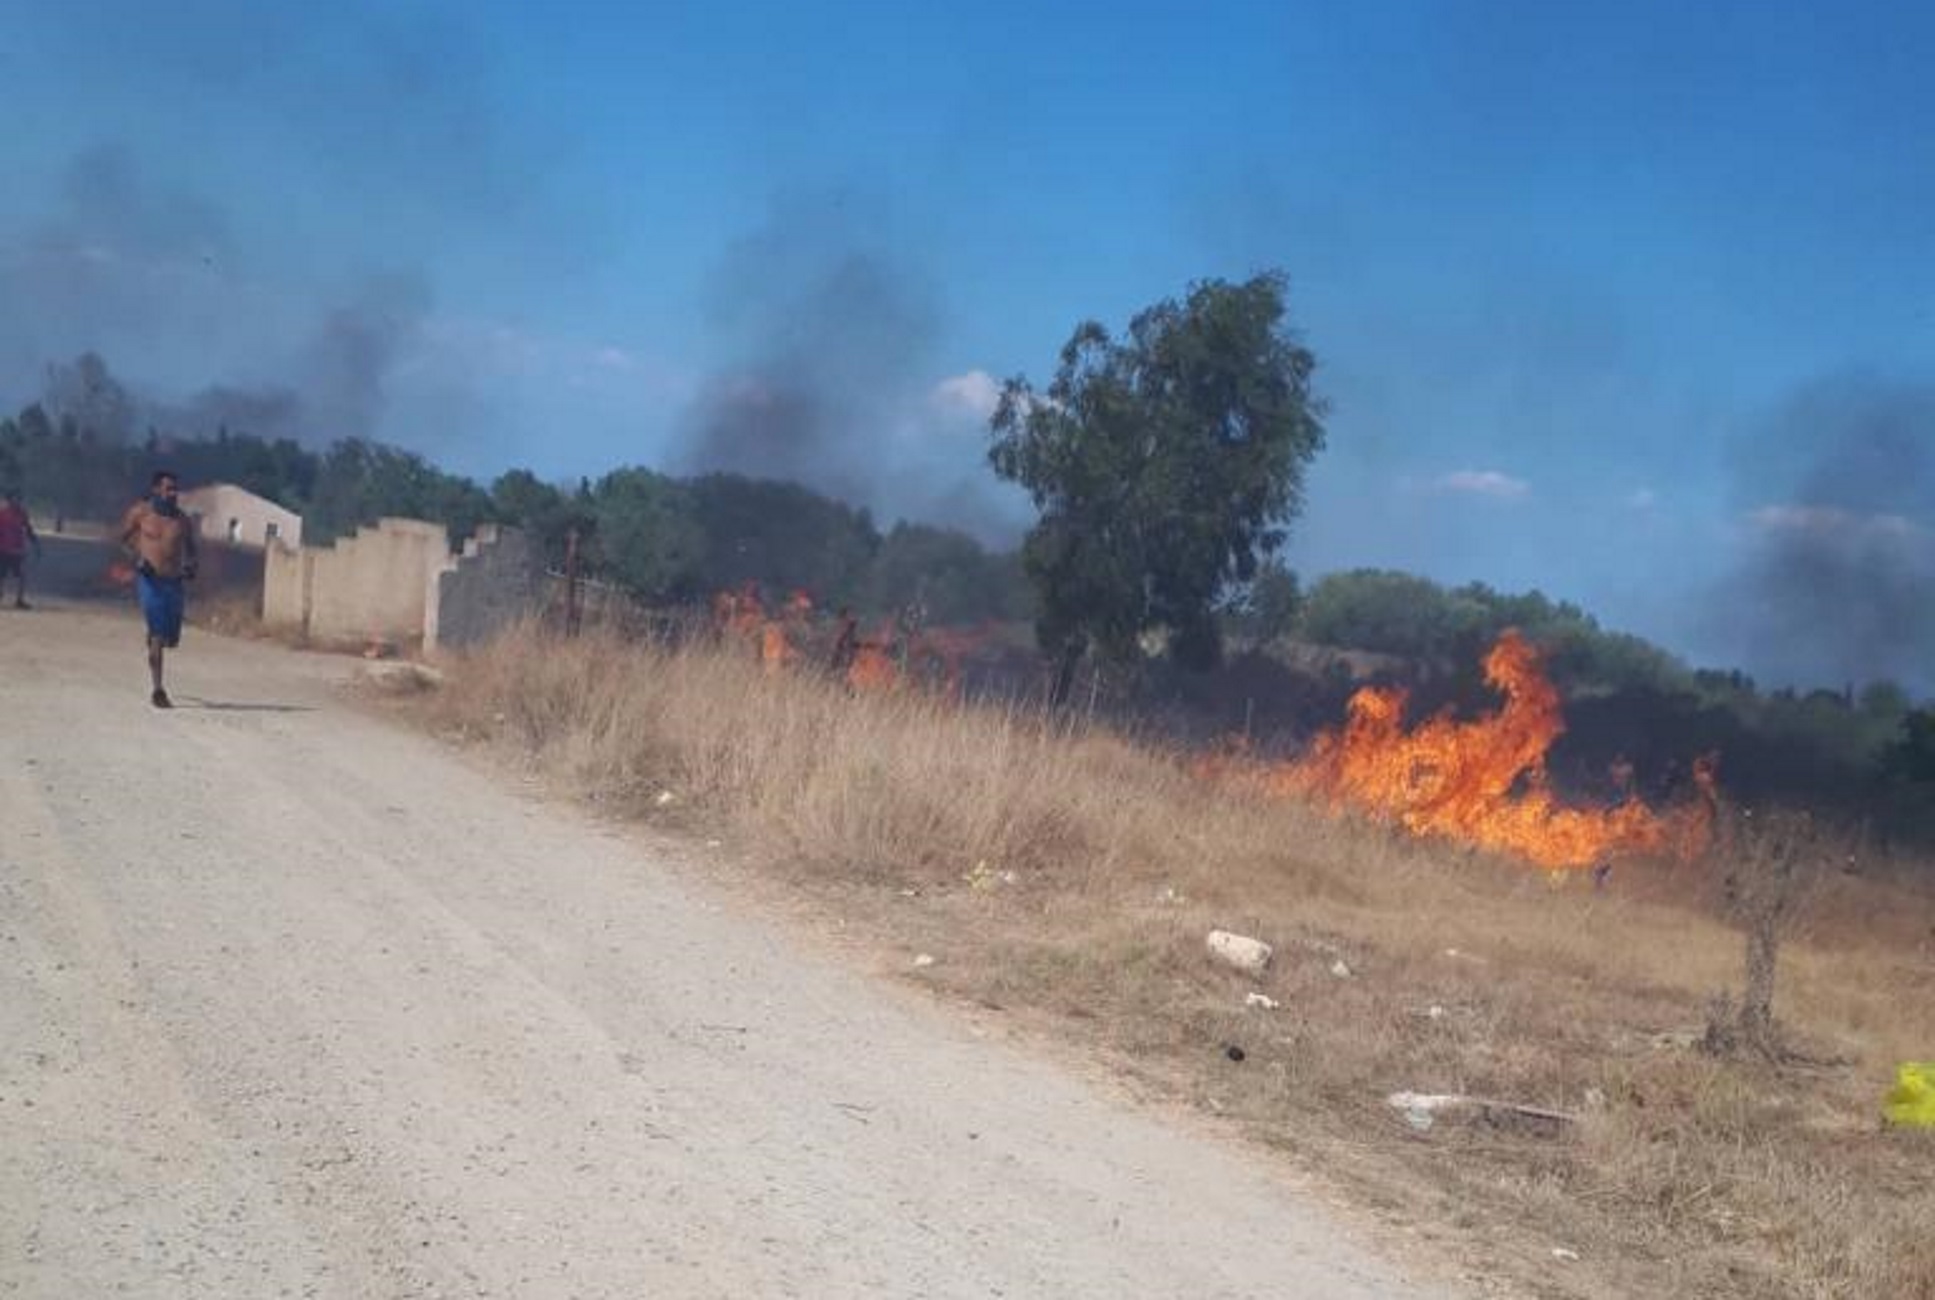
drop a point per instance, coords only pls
(1911, 1103)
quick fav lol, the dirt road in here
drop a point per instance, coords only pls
(296, 1003)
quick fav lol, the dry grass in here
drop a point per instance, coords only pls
(1069, 877)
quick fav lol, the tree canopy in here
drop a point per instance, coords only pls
(661, 537)
(1165, 466)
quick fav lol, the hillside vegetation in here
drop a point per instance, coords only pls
(1863, 753)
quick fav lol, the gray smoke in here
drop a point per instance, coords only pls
(341, 375)
(265, 412)
(85, 395)
(830, 344)
(213, 284)
(826, 336)
(1838, 585)
(114, 262)
(347, 366)
(126, 268)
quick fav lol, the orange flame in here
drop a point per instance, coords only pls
(774, 650)
(1483, 782)
(893, 656)
(740, 615)
(873, 668)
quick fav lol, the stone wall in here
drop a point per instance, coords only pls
(396, 582)
(498, 580)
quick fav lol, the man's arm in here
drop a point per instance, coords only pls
(192, 556)
(33, 538)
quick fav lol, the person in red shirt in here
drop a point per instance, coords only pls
(16, 535)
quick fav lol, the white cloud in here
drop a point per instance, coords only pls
(614, 358)
(1483, 483)
(1831, 523)
(1641, 499)
(976, 392)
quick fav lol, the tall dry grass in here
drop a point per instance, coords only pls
(1068, 876)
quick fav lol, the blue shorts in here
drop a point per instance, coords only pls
(162, 602)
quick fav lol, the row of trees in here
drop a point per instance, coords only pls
(665, 539)
(1444, 631)
(672, 540)
(73, 471)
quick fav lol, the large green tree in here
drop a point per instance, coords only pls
(1166, 466)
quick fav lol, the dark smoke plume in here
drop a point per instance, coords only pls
(125, 268)
(1838, 585)
(266, 412)
(125, 260)
(825, 338)
(85, 395)
(829, 343)
(349, 362)
(116, 260)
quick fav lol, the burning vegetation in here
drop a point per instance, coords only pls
(1481, 782)
(899, 652)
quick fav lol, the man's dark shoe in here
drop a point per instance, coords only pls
(160, 699)
(21, 604)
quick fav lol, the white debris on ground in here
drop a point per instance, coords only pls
(1421, 1109)
(1251, 956)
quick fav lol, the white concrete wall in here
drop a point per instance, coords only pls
(285, 588)
(378, 585)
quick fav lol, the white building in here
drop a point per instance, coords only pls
(240, 518)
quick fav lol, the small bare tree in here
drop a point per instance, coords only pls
(1774, 862)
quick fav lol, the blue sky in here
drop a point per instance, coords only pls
(1570, 270)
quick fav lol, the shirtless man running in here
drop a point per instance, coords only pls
(161, 541)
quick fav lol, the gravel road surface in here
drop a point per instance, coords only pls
(294, 1002)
